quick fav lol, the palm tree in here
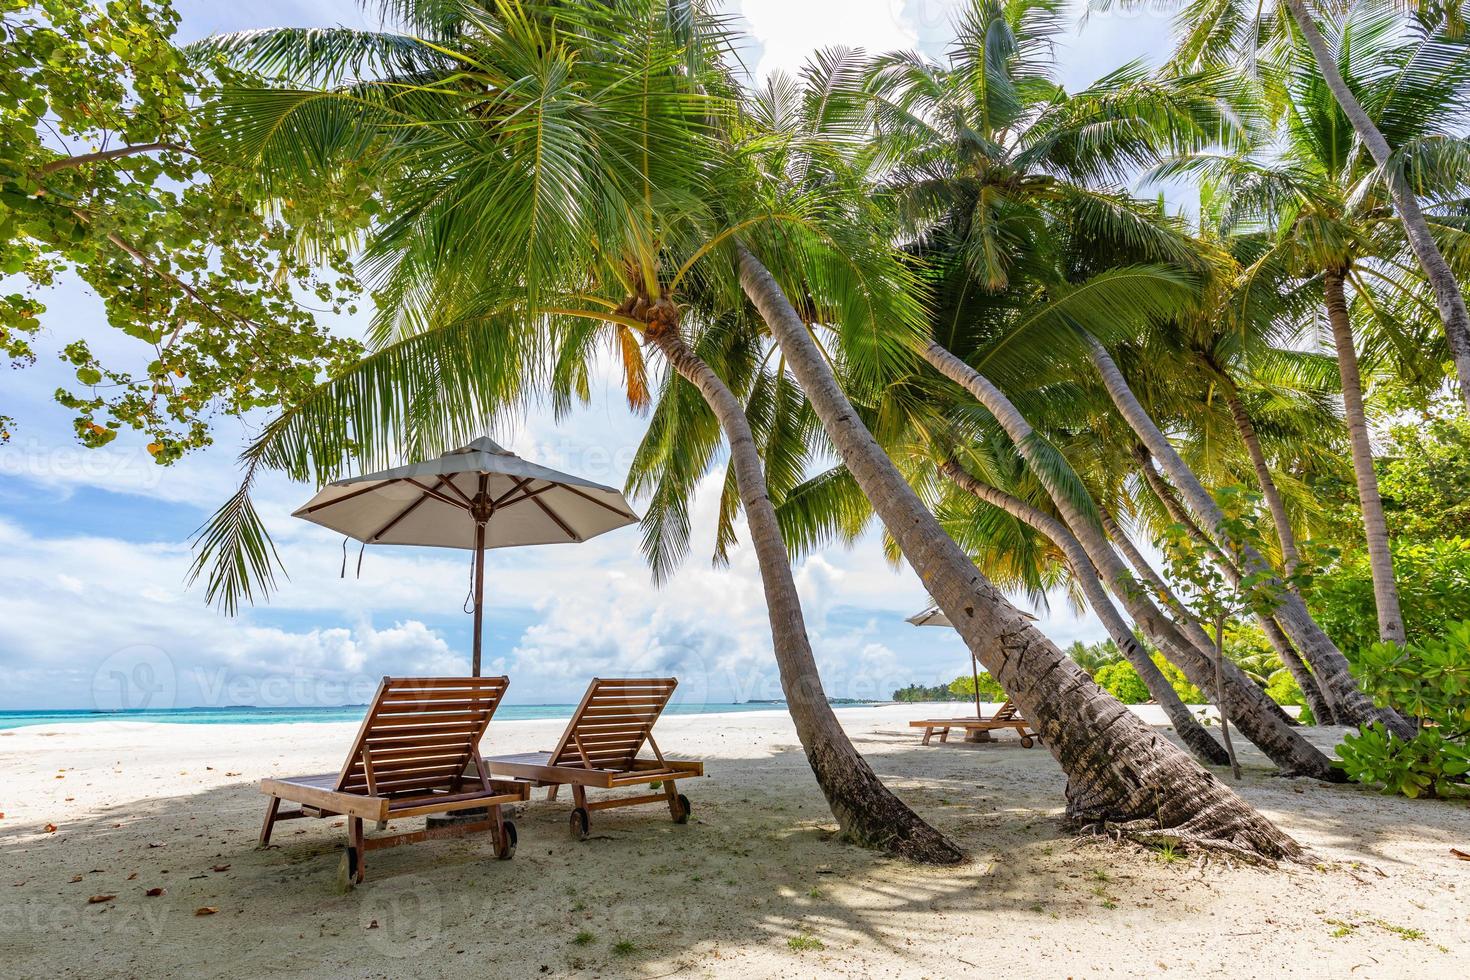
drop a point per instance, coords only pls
(543, 187)
(1327, 218)
(847, 279)
(1118, 769)
(995, 173)
(1224, 32)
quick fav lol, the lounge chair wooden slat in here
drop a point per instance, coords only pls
(600, 746)
(409, 759)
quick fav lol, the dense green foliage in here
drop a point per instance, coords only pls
(102, 175)
(1428, 681)
(964, 687)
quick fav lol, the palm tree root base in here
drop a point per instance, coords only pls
(1149, 835)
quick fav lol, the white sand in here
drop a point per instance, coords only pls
(722, 896)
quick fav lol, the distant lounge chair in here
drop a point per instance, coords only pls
(1007, 716)
(409, 760)
(600, 749)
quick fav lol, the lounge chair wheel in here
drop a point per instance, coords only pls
(507, 848)
(347, 869)
(1027, 741)
(684, 809)
(581, 824)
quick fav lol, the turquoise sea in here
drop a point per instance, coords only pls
(248, 715)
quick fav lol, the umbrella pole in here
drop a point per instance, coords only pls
(974, 672)
(479, 596)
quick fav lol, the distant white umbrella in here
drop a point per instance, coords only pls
(477, 498)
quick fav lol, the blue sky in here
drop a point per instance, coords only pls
(94, 544)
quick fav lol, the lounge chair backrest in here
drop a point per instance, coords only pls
(613, 721)
(1005, 712)
(419, 734)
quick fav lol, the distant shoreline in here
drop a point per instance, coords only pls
(256, 715)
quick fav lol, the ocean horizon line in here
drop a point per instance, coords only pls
(12, 718)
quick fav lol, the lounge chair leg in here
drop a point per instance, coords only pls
(678, 803)
(551, 792)
(355, 842)
(928, 734)
(271, 809)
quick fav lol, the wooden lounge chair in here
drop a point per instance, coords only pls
(1007, 716)
(600, 748)
(409, 760)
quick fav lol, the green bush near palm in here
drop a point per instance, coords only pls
(1434, 590)
(1121, 680)
(1430, 682)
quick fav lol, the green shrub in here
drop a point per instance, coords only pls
(1428, 681)
(990, 689)
(1122, 682)
(1282, 688)
(1429, 764)
(1187, 692)
(1433, 579)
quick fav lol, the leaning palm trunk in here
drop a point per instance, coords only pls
(1267, 724)
(1290, 556)
(1299, 672)
(866, 811)
(1375, 525)
(1305, 679)
(1447, 295)
(1350, 704)
(1190, 731)
(1118, 769)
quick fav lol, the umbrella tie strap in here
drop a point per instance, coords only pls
(343, 572)
(469, 596)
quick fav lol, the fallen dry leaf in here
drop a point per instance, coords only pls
(206, 910)
(155, 843)
(75, 879)
(50, 828)
(1460, 854)
(132, 876)
(99, 899)
(220, 867)
(154, 892)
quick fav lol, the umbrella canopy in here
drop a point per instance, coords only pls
(479, 497)
(440, 503)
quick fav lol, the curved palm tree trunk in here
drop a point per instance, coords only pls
(1191, 732)
(1118, 769)
(865, 809)
(1447, 295)
(1266, 723)
(1290, 557)
(1380, 558)
(1300, 672)
(1351, 705)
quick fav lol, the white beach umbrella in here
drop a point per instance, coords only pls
(477, 498)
